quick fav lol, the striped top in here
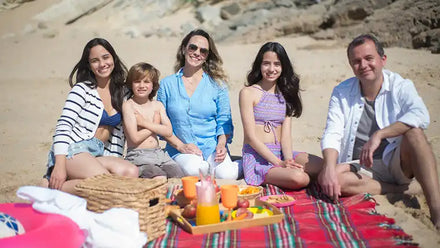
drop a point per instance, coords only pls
(270, 111)
(80, 119)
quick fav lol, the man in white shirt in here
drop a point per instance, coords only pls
(374, 140)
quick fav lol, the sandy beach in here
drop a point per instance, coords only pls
(33, 86)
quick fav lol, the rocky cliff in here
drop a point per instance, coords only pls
(403, 23)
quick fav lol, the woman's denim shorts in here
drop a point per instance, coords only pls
(93, 146)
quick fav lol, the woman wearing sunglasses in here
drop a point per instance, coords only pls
(196, 100)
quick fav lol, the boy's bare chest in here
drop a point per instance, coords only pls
(147, 111)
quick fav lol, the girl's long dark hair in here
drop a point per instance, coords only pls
(85, 74)
(287, 83)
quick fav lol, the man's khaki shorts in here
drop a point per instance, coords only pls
(388, 174)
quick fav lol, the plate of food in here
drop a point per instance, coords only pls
(279, 200)
(249, 192)
(251, 213)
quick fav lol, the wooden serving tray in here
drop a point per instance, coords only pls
(229, 225)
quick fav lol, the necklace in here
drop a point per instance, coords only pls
(188, 80)
(190, 84)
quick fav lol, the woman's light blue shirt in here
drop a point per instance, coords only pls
(198, 119)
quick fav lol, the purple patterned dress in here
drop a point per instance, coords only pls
(270, 111)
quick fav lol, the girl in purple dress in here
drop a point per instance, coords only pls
(270, 97)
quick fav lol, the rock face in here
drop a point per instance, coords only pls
(403, 23)
(10, 4)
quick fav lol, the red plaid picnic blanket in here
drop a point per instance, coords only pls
(312, 221)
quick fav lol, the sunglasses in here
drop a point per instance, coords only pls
(203, 51)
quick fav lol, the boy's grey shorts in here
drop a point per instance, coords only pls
(154, 162)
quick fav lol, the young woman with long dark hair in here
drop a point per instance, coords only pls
(89, 138)
(267, 103)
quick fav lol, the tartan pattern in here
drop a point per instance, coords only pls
(312, 221)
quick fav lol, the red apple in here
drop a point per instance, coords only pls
(189, 211)
(242, 203)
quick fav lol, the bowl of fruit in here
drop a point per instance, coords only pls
(250, 213)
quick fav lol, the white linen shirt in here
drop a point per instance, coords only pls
(397, 100)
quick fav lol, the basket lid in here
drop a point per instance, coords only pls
(119, 184)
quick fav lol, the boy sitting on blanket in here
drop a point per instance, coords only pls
(144, 119)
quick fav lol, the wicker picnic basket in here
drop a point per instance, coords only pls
(146, 196)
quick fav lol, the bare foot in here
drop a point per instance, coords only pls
(414, 188)
(44, 183)
(435, 218)
(436, 225)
